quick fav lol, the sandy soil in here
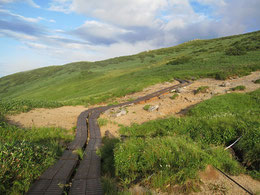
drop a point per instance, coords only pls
(214, 182)
(178, 106)
(211, 182)
(64, 117)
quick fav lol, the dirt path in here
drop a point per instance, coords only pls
(178, 106)
(66, 116)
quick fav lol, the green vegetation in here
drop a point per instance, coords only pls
(202, 89)
(257, 81)
(102, 122)
(16, 106)
(80, 153)
(146, 107)
(26, 153)
(174, 96)
(239, 88)
(93, 82)
(171, 151)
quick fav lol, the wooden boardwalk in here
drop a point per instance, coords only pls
(85, 174)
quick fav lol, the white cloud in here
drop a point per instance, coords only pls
(30, 2)
(17, 35)
(60, 6)
(124, 13)
(100, 33)
(27, 19)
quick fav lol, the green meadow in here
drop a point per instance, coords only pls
(92, 82)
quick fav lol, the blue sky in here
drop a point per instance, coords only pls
(37, 33)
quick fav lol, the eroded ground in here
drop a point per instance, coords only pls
(178, 106)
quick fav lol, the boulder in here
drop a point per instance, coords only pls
(180, 90)
(153, 108)
(225, 84)
(121, 112)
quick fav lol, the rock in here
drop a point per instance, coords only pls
(173, 91)
(116, 112)
(121, 113)
(108, 134)
(225, 84)
(162, 97)
(180, 90)
(153, 108)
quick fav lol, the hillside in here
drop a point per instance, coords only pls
(93, 82)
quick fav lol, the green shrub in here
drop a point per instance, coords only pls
(202, 89)
(26, 153)
(239, 88)
(107, 156)
(21, 162)
(257, 81)
(146, 107)
(222, 75)
(166, 160)
(179, 60)
(102, 122)
(235, 51)
(174, 96)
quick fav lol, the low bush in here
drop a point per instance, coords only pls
(235, 51)
(257, 81)
(166, 160)
(107, 156)
(102, 122)
(179, 60)
(146, 107)
(26, 153)
(21, 162)
(174, 96)
(202, 89)
(222, 75)
(239, 88)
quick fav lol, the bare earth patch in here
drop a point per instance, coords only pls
(214, 182)
(64, 117)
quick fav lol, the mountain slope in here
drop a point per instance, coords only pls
(92, 82)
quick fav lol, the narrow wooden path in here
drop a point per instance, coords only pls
(85, 174)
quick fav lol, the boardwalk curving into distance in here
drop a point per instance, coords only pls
(85, 174)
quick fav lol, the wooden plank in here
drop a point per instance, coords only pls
(66, 170)
(69, 155)
(51, 172)
(84, 167)
(39, 187)
(94, 187)
(78, 187)
(56, 187)
(95, 164)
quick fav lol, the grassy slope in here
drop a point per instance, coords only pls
(92, 82)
